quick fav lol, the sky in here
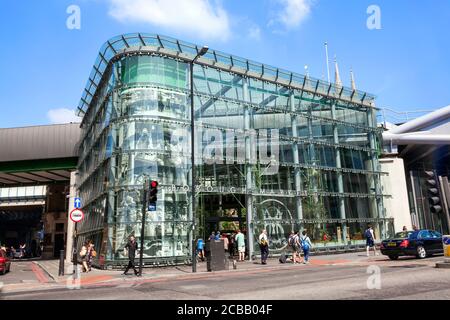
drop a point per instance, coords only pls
(398, 50)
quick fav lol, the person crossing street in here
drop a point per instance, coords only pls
(131, 247)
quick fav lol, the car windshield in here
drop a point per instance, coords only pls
(403, 235)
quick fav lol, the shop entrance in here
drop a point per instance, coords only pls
(225, 213)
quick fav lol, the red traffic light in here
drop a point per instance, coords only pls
(154, 184)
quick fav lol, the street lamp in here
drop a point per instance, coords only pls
(202, 52)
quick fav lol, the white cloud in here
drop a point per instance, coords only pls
(200, 17)
(254, 32)
(62, 115)
(293, 13)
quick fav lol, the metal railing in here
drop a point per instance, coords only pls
(387, 115)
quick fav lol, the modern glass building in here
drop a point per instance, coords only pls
(273, 149)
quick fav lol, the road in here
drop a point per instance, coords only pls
(357, 278)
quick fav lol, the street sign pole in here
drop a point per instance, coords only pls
(74, 253)
(144, 211)
(76, 215)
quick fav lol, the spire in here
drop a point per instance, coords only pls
(353, 80)
(306, 71)
(337, 77)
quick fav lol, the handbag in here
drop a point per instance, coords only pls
(93, 253)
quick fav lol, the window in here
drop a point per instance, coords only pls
(425, 234)
(435, 235)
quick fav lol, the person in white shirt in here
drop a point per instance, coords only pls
(264, 246)
(370, 240)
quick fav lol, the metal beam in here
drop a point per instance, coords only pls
(220, 93)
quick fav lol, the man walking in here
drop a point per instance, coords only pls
(264, 246)
(240, 240)
(370, 240)
(131, 247)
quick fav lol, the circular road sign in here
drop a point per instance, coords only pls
(76, 215)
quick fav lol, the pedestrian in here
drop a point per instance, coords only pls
(12, 252)
(226, 243)
(293, 244)
(240, 241)
(415, 228)
(22, 250)
(40, 248)
(84, 256)
(131, 247)
(201, 249)
(306, 245)
(217, 237)
(91, 254)
(212, 236)
(264, 246)
(405, 229)
(370, 240)
(232, 245)
(33, 248)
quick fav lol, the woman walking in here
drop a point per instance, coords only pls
(84, 256)
(306, 246)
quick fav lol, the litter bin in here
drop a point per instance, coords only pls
(216, 259)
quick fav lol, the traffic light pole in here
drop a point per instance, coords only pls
(144, 211)
(194, 258)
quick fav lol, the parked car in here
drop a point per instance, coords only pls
(421, 243)
(5, 263)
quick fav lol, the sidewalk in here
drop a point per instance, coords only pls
(96, 277)
(51, 267)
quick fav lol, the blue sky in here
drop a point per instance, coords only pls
(44, 65)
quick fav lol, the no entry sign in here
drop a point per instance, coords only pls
(76, 215)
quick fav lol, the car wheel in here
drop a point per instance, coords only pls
(393, 257)
(421, 252)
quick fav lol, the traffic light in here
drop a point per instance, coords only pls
(434, 198)
(152, 195)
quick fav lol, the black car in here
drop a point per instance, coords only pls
(421, 243)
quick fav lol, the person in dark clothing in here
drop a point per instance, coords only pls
(131, 247)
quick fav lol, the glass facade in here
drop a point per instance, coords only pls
(273, 150)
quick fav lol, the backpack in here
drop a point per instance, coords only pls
(305, 243)
(367, 234)
(291, 241)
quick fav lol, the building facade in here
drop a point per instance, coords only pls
(422, 146)
(273, 149)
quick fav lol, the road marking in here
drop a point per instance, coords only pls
(39, 273)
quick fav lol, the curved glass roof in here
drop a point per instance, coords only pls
(251, 68)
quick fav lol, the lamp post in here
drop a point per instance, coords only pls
(202, 52)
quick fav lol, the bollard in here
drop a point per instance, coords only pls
(61, 263)
(234, 264)
(446, 246)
